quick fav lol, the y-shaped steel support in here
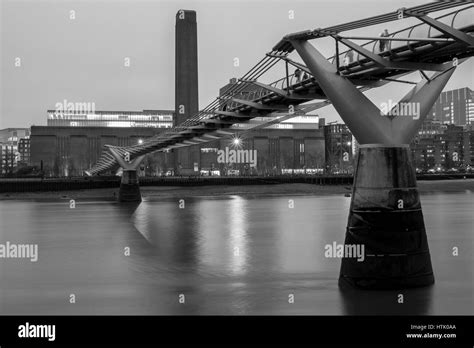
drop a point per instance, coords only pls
(385, 216)
(129, 187)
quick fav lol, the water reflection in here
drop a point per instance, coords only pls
(170, 230)
(237, 214)
(413, 301)
(227, 255)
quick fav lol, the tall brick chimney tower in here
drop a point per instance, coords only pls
(186, 86)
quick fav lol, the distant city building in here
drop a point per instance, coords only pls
(116, 119)
(69, 151)
(9, 159)
(426, 153)
(469, 145)
(430, 128)
(24, 151)
(454, 107)
(10, 138)
(278, 151)
(445, 140)
(339, 148)
(453, 149)
(72, 141)
(452, 142)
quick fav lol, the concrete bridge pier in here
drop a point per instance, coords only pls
(129, 186)
(385, 215)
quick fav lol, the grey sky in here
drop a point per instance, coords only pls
(82, 60)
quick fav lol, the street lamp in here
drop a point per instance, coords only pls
(236, 141)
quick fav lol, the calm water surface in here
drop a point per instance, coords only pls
(227, 255)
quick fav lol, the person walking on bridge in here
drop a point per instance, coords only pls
(383, 44)
(298, 75)
(349, 57)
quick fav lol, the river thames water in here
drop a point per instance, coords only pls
(219, 255)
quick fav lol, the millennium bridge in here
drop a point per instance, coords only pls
(385, 213)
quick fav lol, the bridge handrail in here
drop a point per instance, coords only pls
(454, 13)
(374, 43)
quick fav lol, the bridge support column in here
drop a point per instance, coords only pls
(386, 218)
(129, 187)
(385, 215)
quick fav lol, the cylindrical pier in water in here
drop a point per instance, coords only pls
(129, 188)
(386, 218)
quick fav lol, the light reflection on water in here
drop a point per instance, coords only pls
(228, 255)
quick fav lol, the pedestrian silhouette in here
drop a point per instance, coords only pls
(383, 44)
(298, 75)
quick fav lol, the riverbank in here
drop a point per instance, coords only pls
(155, 192)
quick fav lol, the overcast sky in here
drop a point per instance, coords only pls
(82, 60)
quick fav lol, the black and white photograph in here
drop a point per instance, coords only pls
(192, 171)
